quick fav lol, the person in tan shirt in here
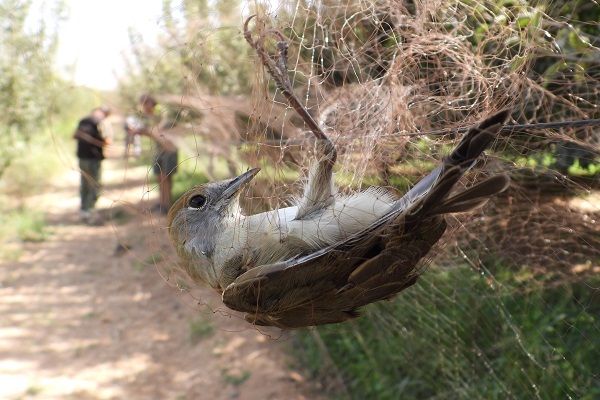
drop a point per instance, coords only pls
(165, 160)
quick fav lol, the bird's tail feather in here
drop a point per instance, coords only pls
(474, 197)
(435, 187)
(477, 139)
(419, 224)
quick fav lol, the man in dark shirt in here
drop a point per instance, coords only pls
(90, 145)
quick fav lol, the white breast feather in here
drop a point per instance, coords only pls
(349, 214)
(271, 230)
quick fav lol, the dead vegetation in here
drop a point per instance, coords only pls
(378, 80)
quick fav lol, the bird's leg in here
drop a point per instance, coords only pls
(319, 190)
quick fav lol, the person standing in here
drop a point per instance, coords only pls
(90, 144)
(165, 159)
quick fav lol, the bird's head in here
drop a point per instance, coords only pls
(198, 217)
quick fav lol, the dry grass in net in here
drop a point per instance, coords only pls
(378, 77)
(423, 68)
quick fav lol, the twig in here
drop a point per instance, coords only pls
(278, 70)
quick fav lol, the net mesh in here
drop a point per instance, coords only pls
(509, 305)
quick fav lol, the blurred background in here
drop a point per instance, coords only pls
(509, 305)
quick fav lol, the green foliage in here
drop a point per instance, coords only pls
(458, 334)
(26, 225)
(31, 226)
(34, 390)
(202, 49)
(200, 328)
(235, 378)
(150, 70)
(69, 104)
(186, 178)
(35, 162)
(216, 56)
(27, 176)
(26, 74)
(20, 225)
(151, 260)
(33, 167)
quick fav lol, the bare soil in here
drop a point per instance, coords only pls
(89, 314)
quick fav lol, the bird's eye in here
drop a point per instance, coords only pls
(197, 201)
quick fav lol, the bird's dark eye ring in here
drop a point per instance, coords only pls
(197, 201)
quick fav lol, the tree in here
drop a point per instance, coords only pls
(202, 51)
(27, 50)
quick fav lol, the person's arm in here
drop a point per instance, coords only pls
(107, 131)
(81, 135)
(160, 136)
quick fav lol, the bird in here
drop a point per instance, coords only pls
(326, 256)
(319, 261)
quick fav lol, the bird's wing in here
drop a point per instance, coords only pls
(323, 288)
(376, 263)
(294, 286)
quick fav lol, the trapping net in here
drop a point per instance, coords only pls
(508, 306)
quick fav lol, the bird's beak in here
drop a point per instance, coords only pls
(237, 184)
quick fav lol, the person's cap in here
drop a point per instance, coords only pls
(105, 109)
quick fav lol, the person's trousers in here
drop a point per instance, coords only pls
(90, 182)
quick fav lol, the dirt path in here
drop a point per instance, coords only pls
(78, 321)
